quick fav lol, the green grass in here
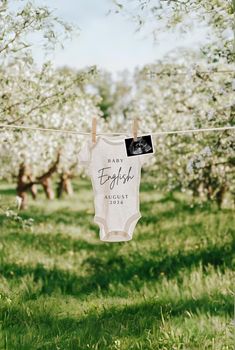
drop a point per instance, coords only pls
(169, 288)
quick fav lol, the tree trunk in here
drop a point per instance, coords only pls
(64, 185)
(23, 195)
(220, 195)
(34, 191)
(26, 183)
(47, 187)
(21, 188)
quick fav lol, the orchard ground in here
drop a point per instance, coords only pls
(170, 288)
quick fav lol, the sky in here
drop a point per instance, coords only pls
(110, 41)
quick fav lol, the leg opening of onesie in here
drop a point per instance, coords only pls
(131, 223)
(117, 235)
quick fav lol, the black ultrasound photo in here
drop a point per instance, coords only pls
(143, 145)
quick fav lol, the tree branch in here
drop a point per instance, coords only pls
(47, 174)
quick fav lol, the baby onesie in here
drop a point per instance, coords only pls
(115, 180)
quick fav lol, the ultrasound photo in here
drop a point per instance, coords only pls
(143, 145)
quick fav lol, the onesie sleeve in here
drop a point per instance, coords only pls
(84, 155)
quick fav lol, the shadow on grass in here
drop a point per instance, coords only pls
(8, 192)
(102, 326)
(109, 268)
(56, 243)
(151, 215)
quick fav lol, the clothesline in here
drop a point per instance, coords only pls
(170, 132)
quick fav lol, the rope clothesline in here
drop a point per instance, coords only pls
(170, 132)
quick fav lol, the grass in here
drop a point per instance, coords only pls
(169, 288)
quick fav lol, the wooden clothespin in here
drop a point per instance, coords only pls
(135, 128)
(93, 130)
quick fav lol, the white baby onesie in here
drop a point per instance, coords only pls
(115, 180)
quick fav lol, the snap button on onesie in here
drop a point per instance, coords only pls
(115, 180)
